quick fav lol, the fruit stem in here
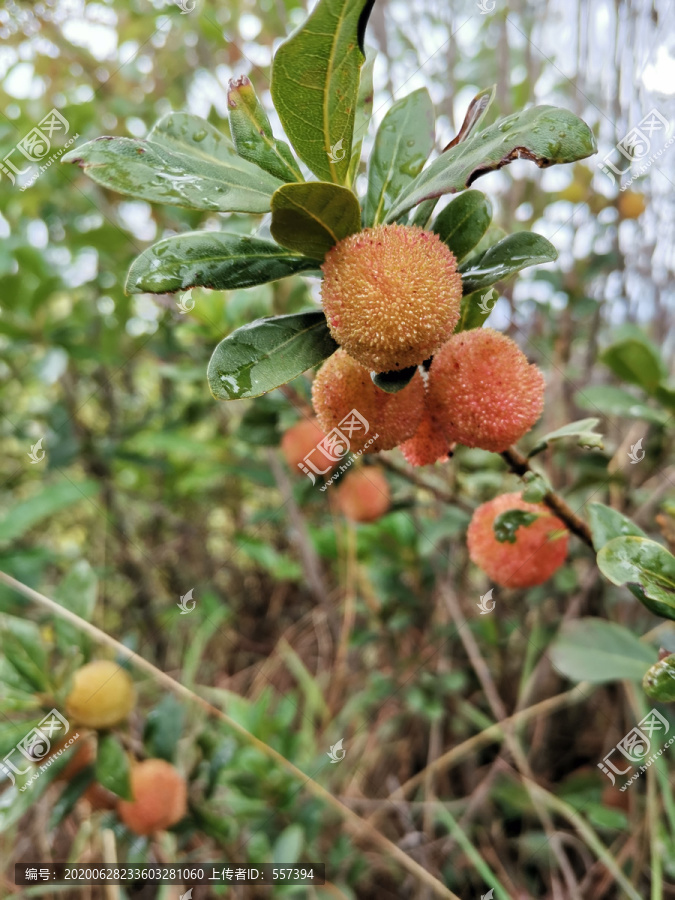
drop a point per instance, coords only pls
(520, 465)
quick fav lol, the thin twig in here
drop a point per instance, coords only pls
(520, 465)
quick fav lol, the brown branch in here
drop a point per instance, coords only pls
(520, 465)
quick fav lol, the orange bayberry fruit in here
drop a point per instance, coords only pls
(631, 204)
(539, 548)
(363, 495)
(102, 695)
(342, 385)
(391, 295)
(428, 445)
(301, 439)
(159, 797)
(483, 391)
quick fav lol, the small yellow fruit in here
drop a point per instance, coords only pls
(631, 204)
(159, 796)
(102, 695)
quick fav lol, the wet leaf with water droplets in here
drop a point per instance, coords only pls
(645, 567)
(267, 353)
(213, 260)
(184, 161)
(515, 252)
(545, 134)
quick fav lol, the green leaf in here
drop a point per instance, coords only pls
(635, 361)
(646, 567)
(507, 524)
(614, 401)
(463, 222)
(475, 308)
(69, 796)
(403, 143)
(27, 656)
(52, 499)
(598, 651)
(315, 82)
(163, 728)
(252, 133)
(393, 382)
(212, 259)
(279, 565)
(76, 592)
(545, 134)
(310, 218)
(364, 111)
(659, 680)
(184, 161)
(267, 353)
(607, 523)
(260, 423)
(112, 766)
(288, 845)
(515, 252)
(474, 116)
(582, 428)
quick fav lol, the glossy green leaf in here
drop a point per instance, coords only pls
(184, 161)
(607, 523)
(545, 134)
(315, 83)
(507, 524)
(252, 133)
(598, 651)
(463, 222)
(403, 143)
(310, 218)
(659, 680)
(112, 766)
(614, 401)
(267, 353)
(582, 429)
(212, 259)
(393, 382)
(515, 252)
(364, 111)
(635, 361)
(646, 567)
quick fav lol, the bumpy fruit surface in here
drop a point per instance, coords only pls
(391, 295)
(363, 495)
(483, 391)
(428, 445)
(342, 385)
(301, 439)
(159, 797)
(102, 695)
(536, 554)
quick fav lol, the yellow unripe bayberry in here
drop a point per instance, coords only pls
(102, 695)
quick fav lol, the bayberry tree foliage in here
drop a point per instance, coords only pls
(403, 292)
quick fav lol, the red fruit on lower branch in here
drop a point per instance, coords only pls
(483, 391)
(363, 495)
(343, 385)
(391, 295)
(300, 440)
(539, 549)
(159, 797)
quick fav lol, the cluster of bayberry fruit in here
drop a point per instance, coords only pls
(392, 297)
(103, 696)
